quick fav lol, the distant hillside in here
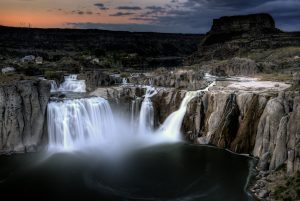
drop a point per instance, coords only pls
(67, 42)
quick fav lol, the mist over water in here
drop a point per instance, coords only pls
(97, 154)
(76, 124)
(89, 122)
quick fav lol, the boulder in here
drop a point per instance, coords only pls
(296, 79)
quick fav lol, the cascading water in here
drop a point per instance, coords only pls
(135, 113)
(73, 124)
(124, 81)
(89, 122)
(146, 120)
(70, 84)
(54, 86)
(171, 126)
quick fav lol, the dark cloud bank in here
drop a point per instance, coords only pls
(195, 16)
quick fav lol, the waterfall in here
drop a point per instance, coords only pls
(70, 84)
(89, 122)
(135, 112)
(78, 123)
(172, 125)
(124, 81)
(146, 120)
(54, 86)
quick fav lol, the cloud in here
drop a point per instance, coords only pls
(80, 12)
(142, 19)
(121, 14)
(155, 10)
(129, 8)
(101, 6)
(151, 13)
(196, 16)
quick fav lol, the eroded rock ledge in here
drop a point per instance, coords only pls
(22, 115)
(262, 124)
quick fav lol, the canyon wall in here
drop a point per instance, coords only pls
(262, 124)
(179, 79)
(22, 115)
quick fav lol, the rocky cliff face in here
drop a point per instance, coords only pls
(263, 124)
(96, 79)
(244, 23)
(179, 79)
(22, 115)
(239, 35)
(296, 79)
(235, 66)
(260, 124)
(255, 123)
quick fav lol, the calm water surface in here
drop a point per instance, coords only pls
(166, 172)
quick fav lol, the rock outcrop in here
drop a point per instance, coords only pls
(262, 124)
(94, 79)
(239, 35)
(247, 122)
(231, 67)
(179, 79)
(244, 23)
(22, 115)
(296, 79)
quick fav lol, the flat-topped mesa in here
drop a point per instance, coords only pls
(262, 22)
(240, 26)
(237, 36)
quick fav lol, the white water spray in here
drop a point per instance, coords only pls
(54, 86)
(146, 120)
(70, 84)
(89, 122)
(78, 123)
(172, 125)
(124, 81)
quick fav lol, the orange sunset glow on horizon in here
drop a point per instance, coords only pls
(176, 16)
(50, 14)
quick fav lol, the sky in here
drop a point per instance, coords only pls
(172, 16)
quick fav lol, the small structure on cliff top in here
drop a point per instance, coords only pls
(7, 70)
(28, 58)
(39, 60)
